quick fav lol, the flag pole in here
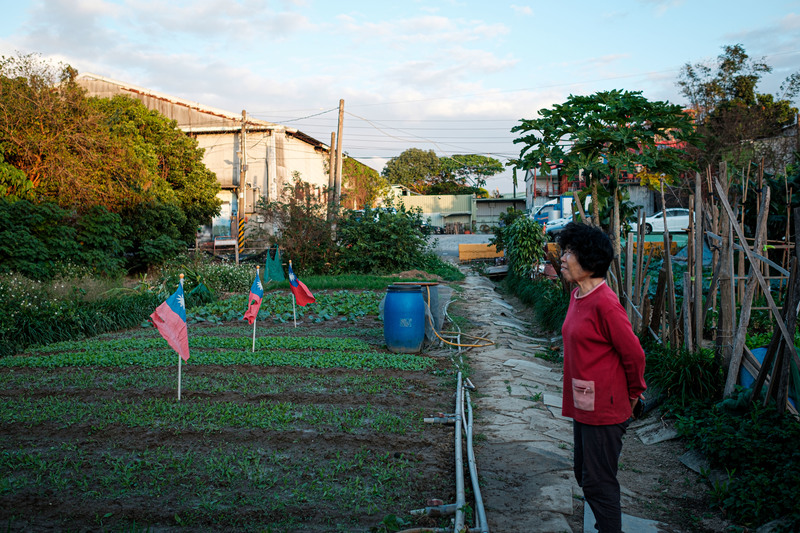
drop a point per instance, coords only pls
(179, 360)
(255, 319)
(294, 309)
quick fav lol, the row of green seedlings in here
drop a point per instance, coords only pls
(201, 486)
(103, 378)
(305, 352)
(277, 307)
(371, 335)
(203, 415)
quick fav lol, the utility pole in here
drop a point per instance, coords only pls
(331, 174)
(242, 207)
(338, 183)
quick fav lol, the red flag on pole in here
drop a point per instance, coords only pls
(170, 319)
(299, 289)
(256, 294)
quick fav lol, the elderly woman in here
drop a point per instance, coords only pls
(603, 370)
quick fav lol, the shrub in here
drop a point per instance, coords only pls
(683, 377)
(35, 312)
(305, 234)
(548, 299)
(381, 241)
(524, 242)
(155, 234)
(37, 240)
(759, 449)
(500, 232)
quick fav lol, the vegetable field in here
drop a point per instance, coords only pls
(319, 430)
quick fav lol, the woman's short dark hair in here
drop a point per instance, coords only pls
(590, 245)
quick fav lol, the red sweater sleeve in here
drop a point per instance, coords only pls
(603, 360)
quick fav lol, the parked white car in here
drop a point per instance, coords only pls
(677, 220)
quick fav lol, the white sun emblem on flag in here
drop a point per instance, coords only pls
(260, 287)
(292, 277)
(180, 301)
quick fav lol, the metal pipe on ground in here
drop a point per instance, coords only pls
(460, 497)
(481, 523)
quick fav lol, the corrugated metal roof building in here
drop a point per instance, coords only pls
(269, 156)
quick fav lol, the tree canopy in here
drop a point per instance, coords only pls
(426, 173)
(604, 135)
(58, 145)
(363, 185)
(729, 108)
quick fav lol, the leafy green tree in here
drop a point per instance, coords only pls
(14, 184)
(177, 175)
(414, 168)
(604, 135)
(51, 134)
(362, 184)
(470, 169)
(729, 109)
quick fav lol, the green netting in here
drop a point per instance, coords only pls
(274, 270)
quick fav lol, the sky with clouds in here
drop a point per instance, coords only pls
(453, 76)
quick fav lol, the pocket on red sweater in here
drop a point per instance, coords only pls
(583, 394)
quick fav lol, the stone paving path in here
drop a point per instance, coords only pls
(524, 453)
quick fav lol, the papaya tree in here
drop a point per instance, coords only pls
(605, 135)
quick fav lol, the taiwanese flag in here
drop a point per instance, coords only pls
(170, 320)
(299, 289)
(256, 294)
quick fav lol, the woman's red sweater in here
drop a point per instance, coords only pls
(603, 359)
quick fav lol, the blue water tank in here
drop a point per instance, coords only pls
(404, 318)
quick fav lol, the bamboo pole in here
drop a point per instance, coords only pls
(670, 281)
(699, 238)
(746, 303)
(788, 338)
(640, 271)
(629, 276)
(726, 290)
(685, 312)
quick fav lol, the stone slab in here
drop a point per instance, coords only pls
(656, 433)
(503, 303)
(547, 382)
(542, 421)
(553, 400)
(563, 434)
(526, 346)
(527, 366)
(629, 523)
(556, 498)
(556, 412)
(507, 405)
(514, 325)
(509, 433)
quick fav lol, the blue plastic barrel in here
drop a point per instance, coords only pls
(404, 318)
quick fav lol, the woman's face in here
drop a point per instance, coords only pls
(571, 269)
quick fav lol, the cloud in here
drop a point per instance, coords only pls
(662, 6)
(522, 10)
